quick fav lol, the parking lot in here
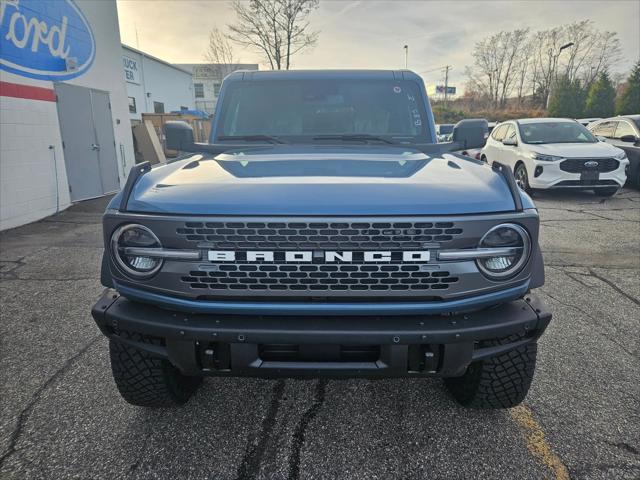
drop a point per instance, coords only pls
(62, 417)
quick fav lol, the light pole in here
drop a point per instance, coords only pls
(406, 56)
(555, 69)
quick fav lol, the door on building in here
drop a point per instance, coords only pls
(86, 126)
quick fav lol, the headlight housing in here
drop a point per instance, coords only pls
(516, 243)
(543, 157)
(125, 240)
(621, 156)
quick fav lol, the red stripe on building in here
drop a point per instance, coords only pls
(15, 90)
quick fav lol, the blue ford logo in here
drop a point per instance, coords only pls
(45, 40)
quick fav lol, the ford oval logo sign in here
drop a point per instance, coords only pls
(45, 40)
(591, 164)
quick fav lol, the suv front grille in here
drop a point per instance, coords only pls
(577, 165)
(303, 235)
(294, 277)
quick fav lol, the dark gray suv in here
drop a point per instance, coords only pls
(624, 133)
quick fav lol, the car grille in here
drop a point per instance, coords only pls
(577, 165)
(294, 277)
(294, 235)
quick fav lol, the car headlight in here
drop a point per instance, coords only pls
(543, 157)
(515, 243)
(621, 156)
(124, 242)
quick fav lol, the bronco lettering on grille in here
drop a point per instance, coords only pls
(415, 256)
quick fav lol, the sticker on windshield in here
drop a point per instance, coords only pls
(397, 89)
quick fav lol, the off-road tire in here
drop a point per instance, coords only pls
(605, 192)
(145, 380)
(496, 382)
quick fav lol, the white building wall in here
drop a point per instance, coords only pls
(163, 82)
(29, 126)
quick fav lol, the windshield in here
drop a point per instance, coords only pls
(445, 129)
(555, 132)
(303, 109)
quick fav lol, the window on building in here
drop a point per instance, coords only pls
(183, 108)
(158, 107)
(216, 89)
(132, 105)
(198, 88)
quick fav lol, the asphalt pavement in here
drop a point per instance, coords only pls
(61, 416)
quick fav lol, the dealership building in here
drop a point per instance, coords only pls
(155, 86)
(65, 130)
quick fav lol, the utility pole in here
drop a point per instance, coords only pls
(406, 57)
(446, 83)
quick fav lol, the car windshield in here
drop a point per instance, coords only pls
(341, 109)
(555, 132)
(445, 129)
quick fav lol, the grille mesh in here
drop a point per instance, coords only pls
(268, 277)
(576, 165)
(294, 235)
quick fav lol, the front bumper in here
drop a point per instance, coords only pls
(312, 346)
(553, 177)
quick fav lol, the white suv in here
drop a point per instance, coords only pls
(556, 153)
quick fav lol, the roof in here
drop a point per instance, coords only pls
(524, 121)
(324, 74)
(140, 52)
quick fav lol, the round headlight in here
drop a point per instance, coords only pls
(517, 245)
(124, 243)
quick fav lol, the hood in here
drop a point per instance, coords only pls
(577, 150)
(310, 180)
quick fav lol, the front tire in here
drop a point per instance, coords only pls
(522, 177)
(496, 382)
(145, 380)
(605, 192)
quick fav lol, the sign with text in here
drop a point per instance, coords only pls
(131, 70)
(45, 40)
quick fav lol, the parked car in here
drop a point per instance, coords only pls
(291, 246)
(587, 121)
(622, 132)
(557, 153)
(444, 131)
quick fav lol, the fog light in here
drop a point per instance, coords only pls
(538, 171)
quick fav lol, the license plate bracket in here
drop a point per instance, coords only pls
(589, 177)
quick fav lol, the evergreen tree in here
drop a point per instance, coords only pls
(629, 100)
(567, 99)
(601, 98)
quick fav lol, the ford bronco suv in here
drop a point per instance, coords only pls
(322, 232)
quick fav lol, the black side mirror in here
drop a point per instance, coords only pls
(628, 138)
(178, 136)
(471, 133)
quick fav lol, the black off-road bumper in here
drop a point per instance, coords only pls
(347, 346)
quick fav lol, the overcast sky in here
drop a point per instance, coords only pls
(371, 34)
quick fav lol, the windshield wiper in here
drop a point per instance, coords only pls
(252, 138)
(356, 137)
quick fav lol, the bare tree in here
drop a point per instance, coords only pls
(592, 52)
(521, 63)
(220, 52)
(498, 60)
(278, 29)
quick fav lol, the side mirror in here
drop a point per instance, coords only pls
(471, 133)
(601, 139)
(628, 138)
(510, 142)
(178, 136)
